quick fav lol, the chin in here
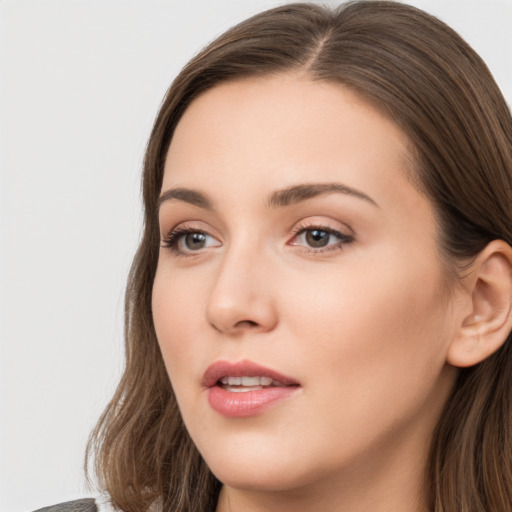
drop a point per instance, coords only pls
(263, 479)
(261, 467)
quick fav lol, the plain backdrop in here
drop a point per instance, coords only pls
(80, 84)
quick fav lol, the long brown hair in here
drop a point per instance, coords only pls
(424, 77)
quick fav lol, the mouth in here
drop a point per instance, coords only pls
(244, 384)
(244, 376)
(242, 389)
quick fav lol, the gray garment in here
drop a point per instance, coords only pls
(86, 505)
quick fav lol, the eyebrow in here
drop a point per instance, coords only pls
(298, 193)
(279, 198)
(187, 195)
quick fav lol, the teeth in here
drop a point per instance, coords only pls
(249, 381)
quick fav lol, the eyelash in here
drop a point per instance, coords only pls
(172, 240)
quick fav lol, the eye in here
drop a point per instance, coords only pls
(320, 238)
(317, 237)
(185, 241)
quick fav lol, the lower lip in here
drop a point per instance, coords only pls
(248, 403)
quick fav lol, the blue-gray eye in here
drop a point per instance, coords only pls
(184, 241)
(194, 241)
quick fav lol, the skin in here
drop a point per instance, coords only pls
(364, 325)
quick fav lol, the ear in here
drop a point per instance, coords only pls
(488, 297)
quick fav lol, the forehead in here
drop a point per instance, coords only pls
(276, 131)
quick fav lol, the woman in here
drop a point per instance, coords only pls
(319, 313)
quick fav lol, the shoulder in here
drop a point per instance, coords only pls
(84, 505)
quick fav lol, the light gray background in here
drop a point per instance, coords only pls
(80, 83)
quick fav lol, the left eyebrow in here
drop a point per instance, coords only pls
(186, 195)
(299, 193)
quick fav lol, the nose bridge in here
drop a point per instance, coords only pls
(241, 296)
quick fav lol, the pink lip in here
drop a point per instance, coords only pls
(240, 405)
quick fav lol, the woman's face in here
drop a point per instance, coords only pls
(297, 253)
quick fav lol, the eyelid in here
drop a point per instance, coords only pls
(324, 224)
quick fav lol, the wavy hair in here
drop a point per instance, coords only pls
(425, 78)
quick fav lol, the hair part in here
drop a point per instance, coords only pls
(423, 76)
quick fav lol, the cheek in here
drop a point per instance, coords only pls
(176, 313)
(373, 343)
(374, 327)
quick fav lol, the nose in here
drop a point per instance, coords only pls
(241, 298)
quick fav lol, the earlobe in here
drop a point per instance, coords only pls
(489, 322)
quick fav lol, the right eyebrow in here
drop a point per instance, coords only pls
(187, 195)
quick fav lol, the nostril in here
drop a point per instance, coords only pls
(247, 323)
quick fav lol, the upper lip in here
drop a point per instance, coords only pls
(245, 368)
